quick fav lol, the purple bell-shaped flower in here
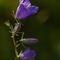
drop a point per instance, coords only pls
(25, 9)
(28, 54)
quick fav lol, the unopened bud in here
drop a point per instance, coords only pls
(29, 40)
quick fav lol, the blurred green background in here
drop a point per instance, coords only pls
(45, 26)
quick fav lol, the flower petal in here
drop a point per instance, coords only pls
(34, 9)
(25, 2)
(29, 53)
(22, 12)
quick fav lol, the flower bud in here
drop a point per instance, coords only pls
(29, 40)
(17, 27)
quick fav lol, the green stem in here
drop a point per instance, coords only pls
(16, 53)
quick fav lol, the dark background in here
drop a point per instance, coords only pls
(45, 26)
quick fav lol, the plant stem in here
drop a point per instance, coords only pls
(16, 53)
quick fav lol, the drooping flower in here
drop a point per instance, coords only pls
(25, 9)
(29, 40)
(28, 54)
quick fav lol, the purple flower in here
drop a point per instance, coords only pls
(29, 40)
(25, 9)
(28, 54)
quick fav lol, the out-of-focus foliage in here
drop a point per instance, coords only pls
(45, 26)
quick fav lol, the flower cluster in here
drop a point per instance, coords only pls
(24, 10)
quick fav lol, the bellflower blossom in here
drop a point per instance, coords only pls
(28, 54)
(25, 9)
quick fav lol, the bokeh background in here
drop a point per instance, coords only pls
(45, 26)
